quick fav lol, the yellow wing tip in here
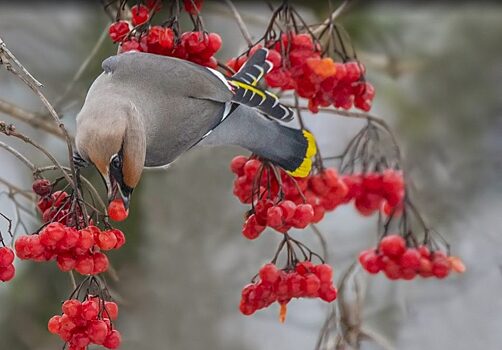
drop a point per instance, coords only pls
(304, 169)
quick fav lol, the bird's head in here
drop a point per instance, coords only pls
(115, 144)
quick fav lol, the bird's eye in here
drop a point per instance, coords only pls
(115, 163)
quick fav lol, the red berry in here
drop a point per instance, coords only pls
(70, 239)
(288, 209)
(85, 240)
(107, 240)
(251, 168)
(118, 31)
(121, 239)
(155, 5)
(269, 273)
(304, 267)
(329, 294)
(80, 341)
(140, 14)
(391, 269)
(237, 165)
(54, 324)
(66, 323)
(274, 216)
(193, 6)
(42, 187)
(160, 40)
(6, 256)
(311, 284)
(66, 262)
(44, 204)
(370, 261)
(97, 331)
(251, 228)
(425, 269)
(60, 198)
(101, 263)
(132, 44)
(410, 259)
(72, 308)
(7, 273)
(85, 265)
(117, 210)
(113, 340)
(90, 310)
(303, 215)
(440, 265)
(112, 310)
(393, 246)
(51, 234)
(324, 272)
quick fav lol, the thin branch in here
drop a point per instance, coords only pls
(30, 118)
(82, 69)
(18, 155)
(331, 18)
(240, 22)
(359, 115)
(6, 58)
(10, 130)
(322, 240)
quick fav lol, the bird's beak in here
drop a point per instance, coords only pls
(115, 188)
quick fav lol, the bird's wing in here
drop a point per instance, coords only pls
(171, 75)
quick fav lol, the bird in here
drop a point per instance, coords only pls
(146, 110)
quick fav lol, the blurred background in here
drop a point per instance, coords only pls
(437, 69)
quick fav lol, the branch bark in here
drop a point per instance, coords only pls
(30, 118)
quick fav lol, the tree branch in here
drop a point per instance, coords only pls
(81, 69)
(240, 22)
(30, 118)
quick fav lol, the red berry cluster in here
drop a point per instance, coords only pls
(374, 191)
(86, 323)
(198, 46)
(305, 281)
(55, 206)
(295, 202)
(71, 248)
(397, 261)
(299, 66)
(7, 270)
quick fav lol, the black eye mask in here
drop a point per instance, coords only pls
(116, 172)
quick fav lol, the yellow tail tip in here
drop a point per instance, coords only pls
(304, 169)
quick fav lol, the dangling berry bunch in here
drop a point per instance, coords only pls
(397, 260)
(139, 35)
(86, 323)
(306, 280)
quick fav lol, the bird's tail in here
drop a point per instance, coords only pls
(303, 149)
(246, 92)
(292, 149)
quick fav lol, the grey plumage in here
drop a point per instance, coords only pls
(147, 110)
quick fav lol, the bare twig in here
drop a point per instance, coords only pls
(322, 240)
(240, 22)
(358, 115)
(30, 118)
(81, 69)
(18, 155)
(7, 58)
(9, 130)
(331, 18)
